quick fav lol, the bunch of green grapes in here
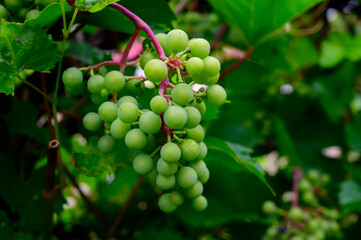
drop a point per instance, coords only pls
(20, 10)
(312, 222)
(173, 117)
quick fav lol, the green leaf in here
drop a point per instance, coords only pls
(353, 133)
(234, 157)
(92, 5)
(23, 47)
(258, 19)
(350, 196)
(92, 162)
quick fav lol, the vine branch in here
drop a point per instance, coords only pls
(297, 174)
(235, 65)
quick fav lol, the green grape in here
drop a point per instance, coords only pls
(72, 77)
(176, 198)
(216, 95)
(3, 12)
(325, 178)
(269, 207)
(196, 133)
(22, 13)
(104, 92)
(119, 129)
(304, 185)
(158, 104)
(135, 139)
(200, 203)
(151, 144)
(203, 179)
(201, 78)
(192, 17)
(128, 112)
(193, 117)
(143, 164)
(200, 167)
(201, 106)
(272, 232)
(165, 203)
(313, 175)
(309, 197)
(186, 177)
(106, 144)
(161, 37)
(127, 99)
(165, 182)
(32, 14)
(146, 57)
(98, 99)
(74, 91)
(114, 81)
(313, 225)
(189, 149)
(195, 191)
(107, 125)
(108, 111)
(202, 151)
(182, 94)
(200, 48)
(213, 80)
(133, 86)
(177, 40)
(150, 122)
(13, 5)
(175, 117)
(170, 152)
(95, 84)
(296, 214)
(92, 121)
(166, 169)
(194, 65)
(211, 66)
(155, 70)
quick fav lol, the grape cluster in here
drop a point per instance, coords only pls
(174, 116)
(312, 222)
(20, 10)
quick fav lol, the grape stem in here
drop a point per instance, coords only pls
(236, 64)
(297, 174)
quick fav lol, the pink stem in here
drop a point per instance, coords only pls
(123, 60)
(116, 63)
(297, 174)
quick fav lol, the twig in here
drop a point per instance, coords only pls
(235, 65)
(297, 174)
(181, 5)
(124, 58)
(50, 192)
(113, 228)
(105, 63)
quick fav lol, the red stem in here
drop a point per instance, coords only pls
(114, 63)
(297, 174)
(123, 60)
(238, 63)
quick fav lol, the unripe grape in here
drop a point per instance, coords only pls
(170, 152)
(200, 167)
(201, 78)
(135, 139)
(195, 191)
(193, 117)
(143, 164)
(108, 111)
(114, 81)
(97, 99)
(104, 92)
(34, 13)
(128, 112)
(13, 5)
(150, 122)
(211, 66)
(107, 125)
(269, 207)
(161, 37)
(151, 144)
(186, 177)
(22, 13)
(158, 104)
(175, 117)
(296, 214)
(203, 179)
(106, 144)
(177, 40)
(189, 149)
(92, 121)
(216, 95)
(213, 80)
(95, 84)
(313, 175)
(146, 57)
(182, 94)
(313, 225)
(72, 77)
(74, 91)
(200, 48)
(119, 129)
(127, 99)
(200, 203)
(194, 65)
(166, 169)
(176, 198)
(3, 12)
(165, 182)
(272, 232)
(202, 151)
(304, 185)
(165, 204)
(196, 133)
(155, 70)
(309, 197)
(201, 106)
(133, 85)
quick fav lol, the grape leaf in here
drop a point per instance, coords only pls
(235, 158)
(350, 196)
(92, 5)
(258, 19)
(23, 47)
